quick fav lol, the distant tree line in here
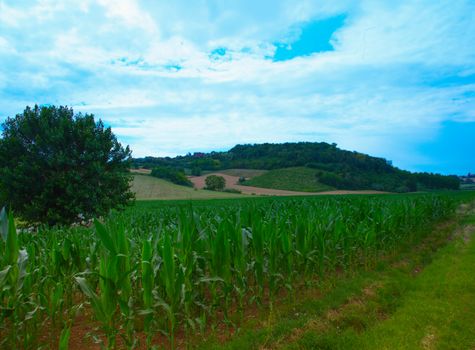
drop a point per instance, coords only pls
(337, 168)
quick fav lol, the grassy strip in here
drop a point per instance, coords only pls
(382, 308)
(439, 311)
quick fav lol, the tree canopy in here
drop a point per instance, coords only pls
(57, 167)
(215, 183)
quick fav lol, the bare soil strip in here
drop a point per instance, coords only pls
(232, 182)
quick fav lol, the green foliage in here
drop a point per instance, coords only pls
(180, 268)
(196, 171)
(434, 181)
(232, 190)
(205, 163)
(335, 180)
(398, 181)
(439, 309)
(215, 183)
(340, 168)
(56, 166)
(173, 175)
(422, 297)
(292, 179)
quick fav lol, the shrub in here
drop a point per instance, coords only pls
(215, 183)
(173, 175)
(335, 180)
(232, 190)
(196, 171)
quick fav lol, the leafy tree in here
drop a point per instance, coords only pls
(215, 183)
(57, 166)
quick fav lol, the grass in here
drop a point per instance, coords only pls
(293, 179)
(423, 298)
(147, 187)
(439, 310)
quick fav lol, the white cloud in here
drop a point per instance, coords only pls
(383, 90)
(130, 13)
(10, 16)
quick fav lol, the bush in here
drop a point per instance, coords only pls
(56, 166)
(215, 183)
(335, 180)
(232, 190)
(196, 171)
(176, 176)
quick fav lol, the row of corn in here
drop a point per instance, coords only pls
(146, 274)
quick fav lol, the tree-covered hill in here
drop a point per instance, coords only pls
(334, 167)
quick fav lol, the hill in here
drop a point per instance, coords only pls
(333, 167)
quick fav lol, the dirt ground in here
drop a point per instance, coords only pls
(232, 182)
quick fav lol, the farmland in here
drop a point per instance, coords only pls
(294, 179)
(169, 273)
(147, 187)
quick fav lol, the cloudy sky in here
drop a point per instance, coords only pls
(394, 79)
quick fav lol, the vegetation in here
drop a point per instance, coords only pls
(244, 173)
(215, 183)
(196, 171)
(232, 190)
(161, 267)
(431, 315)
(421, 298)
(293, 179)
(336, 168)
(148, 187)
(173, 175)
(57, 167)
(470, 187)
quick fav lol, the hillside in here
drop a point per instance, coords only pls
(265, 189)
(148, 187)
(332, 166)
(293, 179)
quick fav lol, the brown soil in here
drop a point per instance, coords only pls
(232, 182)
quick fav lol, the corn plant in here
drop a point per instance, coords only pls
(174, 268)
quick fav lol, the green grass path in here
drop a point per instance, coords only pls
(423, 298)
(439, 310)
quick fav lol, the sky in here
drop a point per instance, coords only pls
(394, 79)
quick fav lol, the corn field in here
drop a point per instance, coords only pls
(155, 273)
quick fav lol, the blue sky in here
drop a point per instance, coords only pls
(392, 79)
